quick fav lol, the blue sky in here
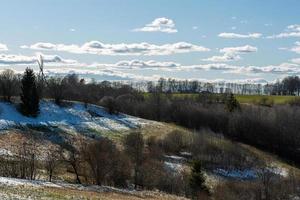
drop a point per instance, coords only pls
(245, 40)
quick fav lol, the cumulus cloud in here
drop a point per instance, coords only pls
(240, 49)
(281, 69)
(3, 47)
(223, 58)
(240, 36)
(232, 53)
(211, 66)
(146, 64)
(284, 68)
(290, 31)
(102, 74)
(99, 48)
(9, 59)
(296, 60)
(295, 48)
(161, 24)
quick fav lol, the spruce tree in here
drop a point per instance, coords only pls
(197, 180)
(232, 103)
(29, 94)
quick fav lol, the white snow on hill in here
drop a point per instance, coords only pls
(6, 181)
(73, 117)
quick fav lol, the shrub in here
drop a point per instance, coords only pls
(110, 104)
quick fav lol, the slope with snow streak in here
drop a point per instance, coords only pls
(14, 188)
(75, 116)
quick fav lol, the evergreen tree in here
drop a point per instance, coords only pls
(197, 180)
(231, 103)
(29, 94)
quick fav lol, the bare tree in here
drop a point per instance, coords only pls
(27, 160)
(100, 156)
(74, 158)
(56, 88)
(134, 147)
(9, 84)
(110, 104)
(52, 161)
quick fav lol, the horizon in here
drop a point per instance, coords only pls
(245, 41)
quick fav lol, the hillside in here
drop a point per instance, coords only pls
(74, 116)
(225, 162)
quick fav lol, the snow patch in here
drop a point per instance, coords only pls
(238, 174)
(72, 118)
(175, 167)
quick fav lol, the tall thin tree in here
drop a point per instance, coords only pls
(29, 94)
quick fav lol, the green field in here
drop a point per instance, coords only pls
(244, 99)
(259, 98)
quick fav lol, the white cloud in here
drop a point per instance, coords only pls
(284, 68)
(3, 47)
(296, 60)
(72, 29)
(223, 58)
(99, 48)
(291, 31)
(102, 74)
(240, 36)
(210, 66)
(146, 64)
(231, 53)
(10, 59)
(241, 49)
(295, 48)
(162, 24)
(195, 27)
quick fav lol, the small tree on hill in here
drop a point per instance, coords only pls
(197, 180)
(232, 103)
(29, 94)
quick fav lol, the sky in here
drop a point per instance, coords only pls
(217, 40)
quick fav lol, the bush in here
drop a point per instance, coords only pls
(110, 104)
(264, 101)
(174, 142)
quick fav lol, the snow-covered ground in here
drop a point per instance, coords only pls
(251, 173)
(74, 117)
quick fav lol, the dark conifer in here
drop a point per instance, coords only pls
(29, 94)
